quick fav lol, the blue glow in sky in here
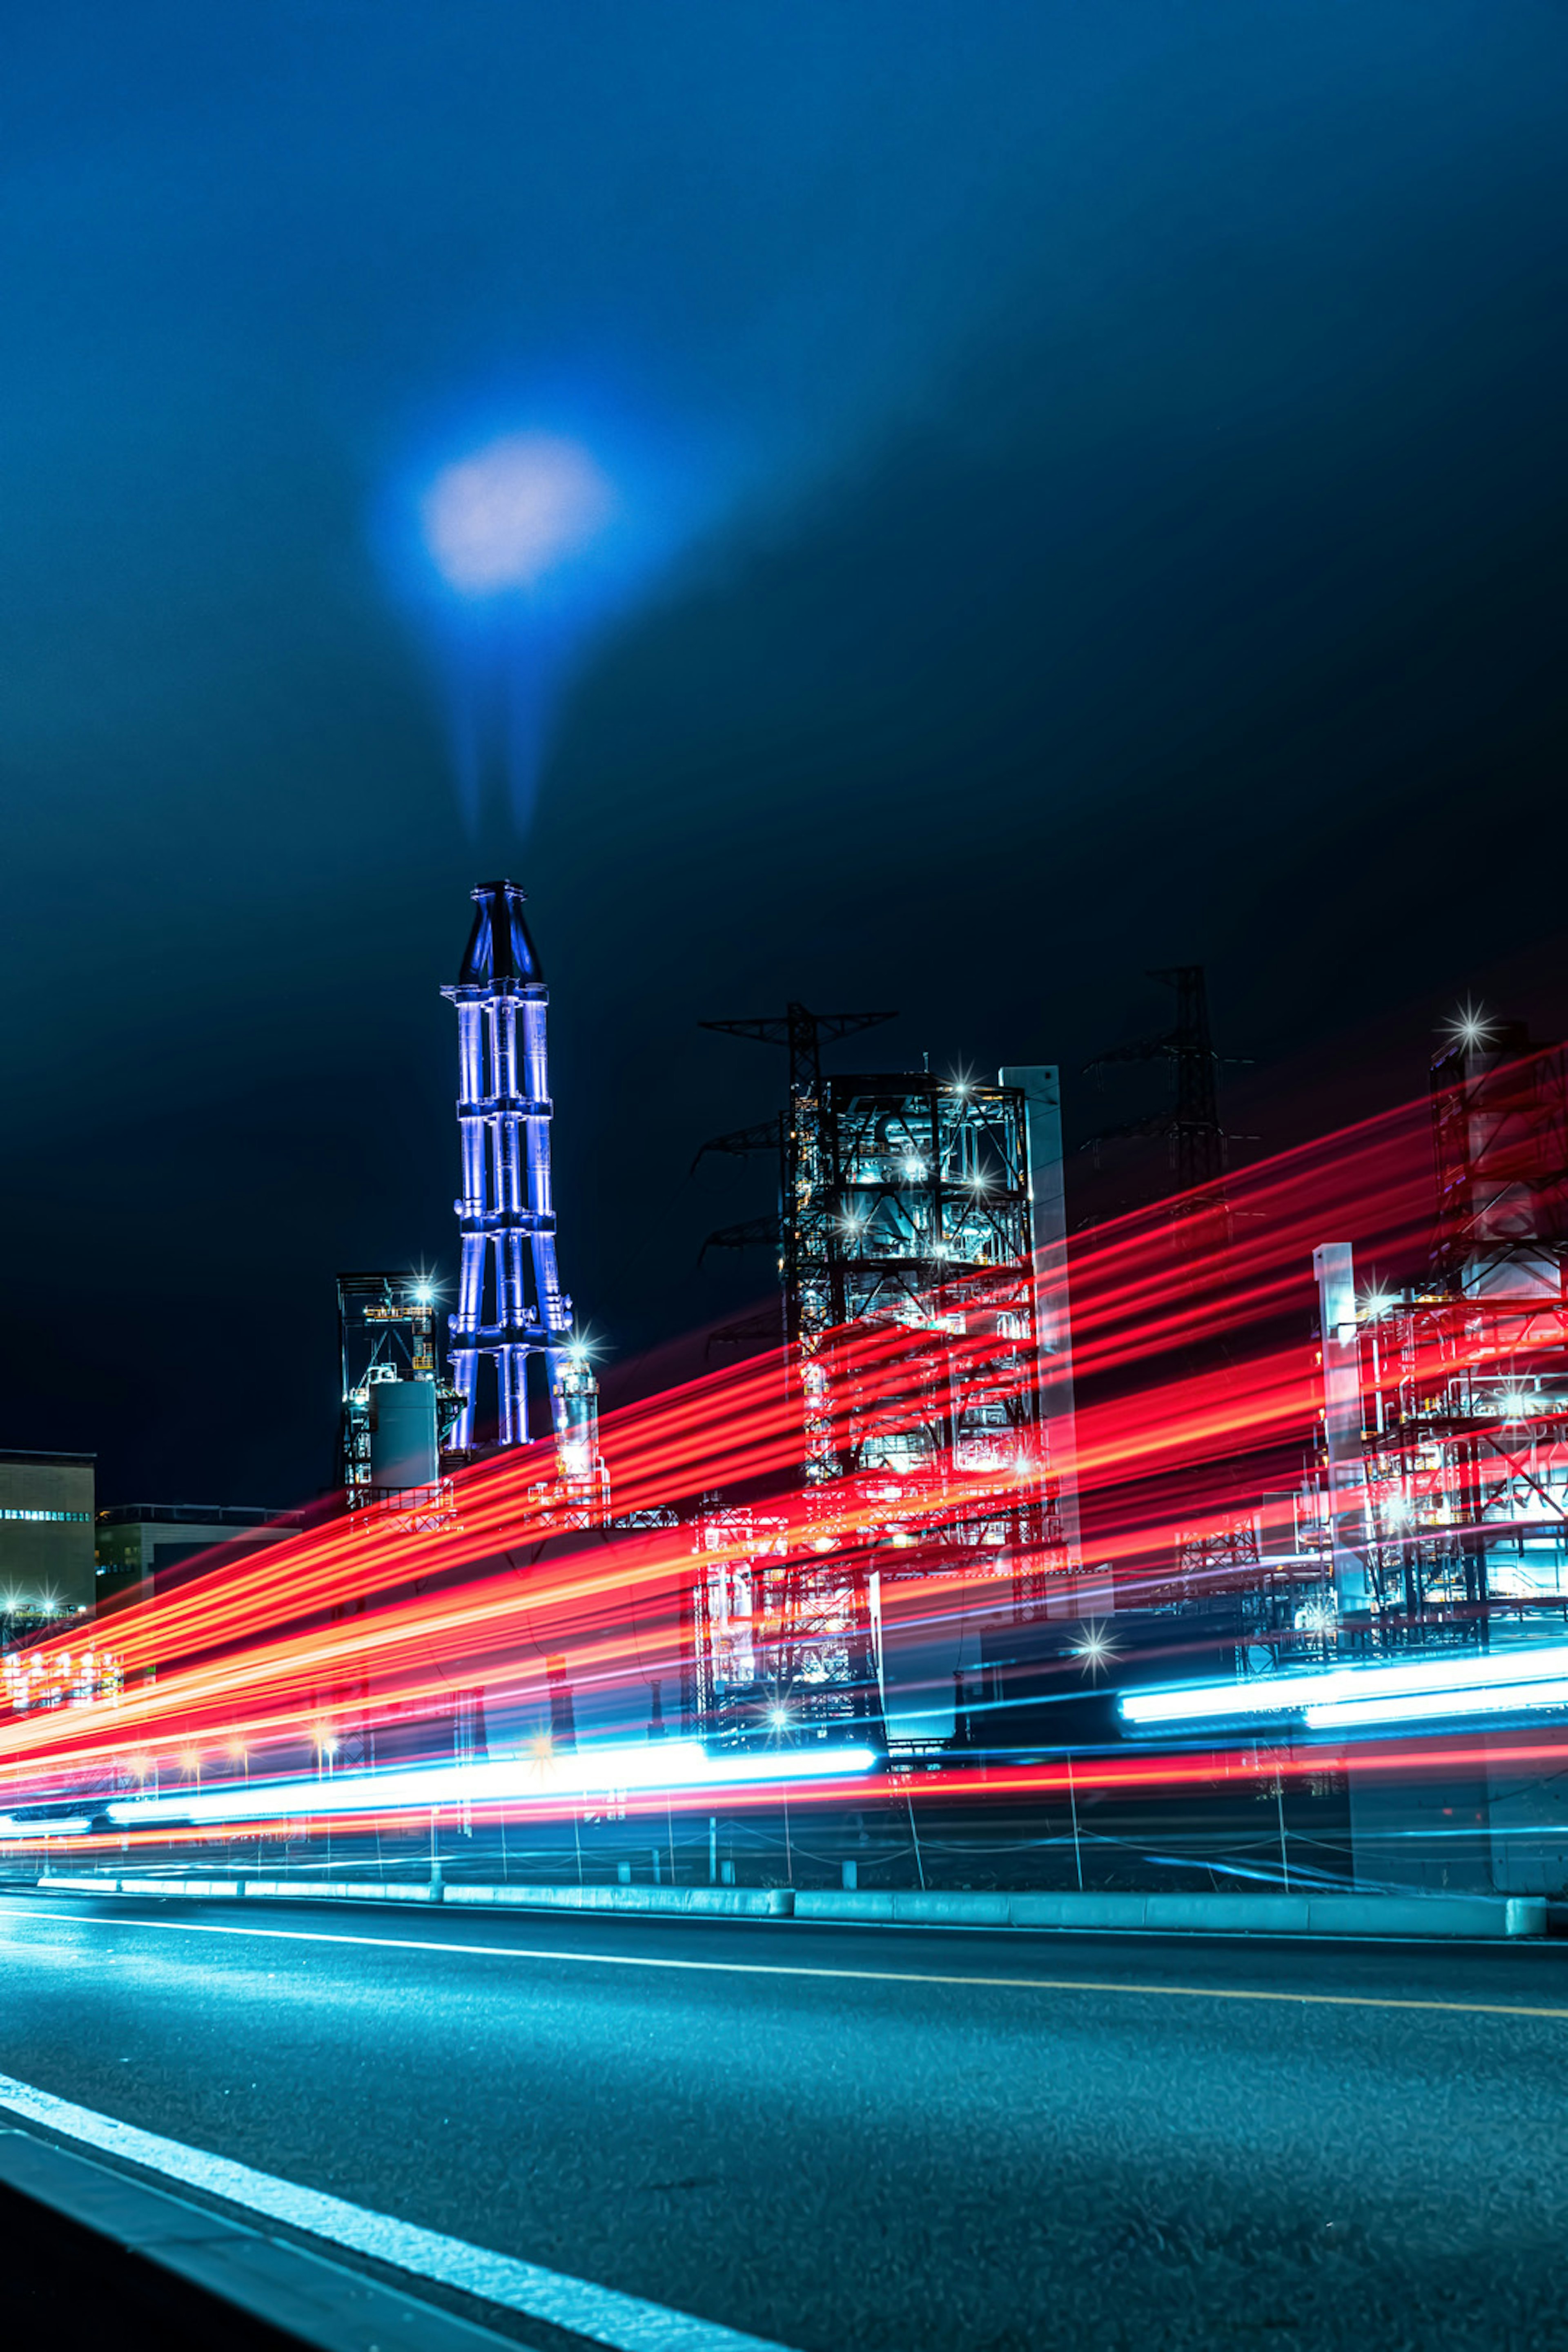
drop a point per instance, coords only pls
(512, 511)
(513, 545)
(516, 522)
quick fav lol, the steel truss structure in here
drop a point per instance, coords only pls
(1217, 1557)
(512, 1310)
(1443, 1501)
(1190, 1128)
(906, 1204)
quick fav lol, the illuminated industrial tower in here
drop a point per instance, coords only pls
(507, 1214)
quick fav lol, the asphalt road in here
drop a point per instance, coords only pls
(859, 2140)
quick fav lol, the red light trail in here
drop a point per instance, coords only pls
(1200, 1398)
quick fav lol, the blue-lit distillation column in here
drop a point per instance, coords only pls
(511, 1307)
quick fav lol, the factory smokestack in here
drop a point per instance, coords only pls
(511, 1307)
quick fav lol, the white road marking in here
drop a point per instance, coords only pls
(598, 2313)
(790, 1969)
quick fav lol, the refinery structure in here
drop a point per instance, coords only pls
(1439, 1509)
(940, 1462)
(409, 1421)
(928, 1212)
(925, 1213)
(924, 1341)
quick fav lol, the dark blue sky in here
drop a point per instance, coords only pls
(1101, 504)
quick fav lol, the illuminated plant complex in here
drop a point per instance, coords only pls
(1404, 1594)
(928, 1210)
(506, 1214)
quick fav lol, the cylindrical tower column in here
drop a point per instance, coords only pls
(502, 1316)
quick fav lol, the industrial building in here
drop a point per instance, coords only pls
(141, 1548)
(397, 1413)
(45, 1535)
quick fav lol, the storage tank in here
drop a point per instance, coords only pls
(403, 1434)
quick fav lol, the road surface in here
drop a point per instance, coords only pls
(860, 2140)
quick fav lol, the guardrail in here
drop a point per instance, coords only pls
(1467, 1917)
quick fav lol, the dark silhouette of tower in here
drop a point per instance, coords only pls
(1190, 1126)
(808, 1205)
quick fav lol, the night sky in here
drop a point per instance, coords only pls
(1091, 496)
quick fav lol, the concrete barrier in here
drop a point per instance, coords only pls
(98, 1885)
(1427, 1915)
(335, 1890)
(1475, 1917)
(708, 1902)
(1074, 1910)
(932, 1910)
(831, 1902)
(1254, 1914)
(195, 1887)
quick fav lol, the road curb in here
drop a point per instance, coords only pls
(126, 2261)
(1470, 1917)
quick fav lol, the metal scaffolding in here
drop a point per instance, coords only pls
(930, 1210)
(1442, 1500)
(803, 1228)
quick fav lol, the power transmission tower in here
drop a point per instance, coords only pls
(808, 1203)
(1190, 1126)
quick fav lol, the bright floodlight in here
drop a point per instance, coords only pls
(504, 517)
(1471, 1025)
(1095, 1648)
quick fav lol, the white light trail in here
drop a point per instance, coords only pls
(569, 1777)
(1419, 1706)
(1351, 1696)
